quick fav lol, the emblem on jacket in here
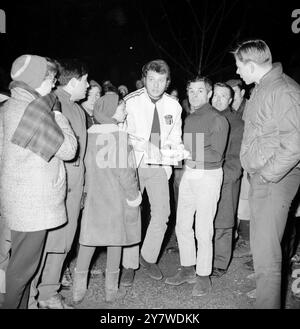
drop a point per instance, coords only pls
(168, 119)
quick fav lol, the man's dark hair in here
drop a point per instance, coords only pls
(207, 82)
(70, 68)
(159, 66)
(224, 85)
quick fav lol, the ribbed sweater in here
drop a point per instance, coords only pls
(205, 136)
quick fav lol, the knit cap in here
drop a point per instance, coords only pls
(105, 107)
(30, 69)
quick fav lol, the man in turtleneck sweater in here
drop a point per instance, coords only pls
(205, 136)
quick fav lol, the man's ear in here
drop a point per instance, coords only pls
(210, 94)
(252, 67)
(167, 84)
(243, 92)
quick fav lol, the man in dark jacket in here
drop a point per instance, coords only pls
(270, 153)
(239, 100)
(73, 86)
(232, 170)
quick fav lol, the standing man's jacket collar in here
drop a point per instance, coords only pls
(274, 73)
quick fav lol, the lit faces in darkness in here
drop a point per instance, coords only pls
(155, 83)
(221, 98)
(197, 94)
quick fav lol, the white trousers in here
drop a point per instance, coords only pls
(199, 192)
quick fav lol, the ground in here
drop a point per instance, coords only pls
(229, 291)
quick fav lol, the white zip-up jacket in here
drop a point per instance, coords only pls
(139, 120)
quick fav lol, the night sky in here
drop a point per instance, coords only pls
(117, 37)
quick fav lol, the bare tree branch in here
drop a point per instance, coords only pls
(202, 41)
(224, 15)
(220, 56)
(158, 46)
(216, 31)
(174, 60)
(195, 16)
(175, 37)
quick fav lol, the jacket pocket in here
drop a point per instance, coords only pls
(61, 176)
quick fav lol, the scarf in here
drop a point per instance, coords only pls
(37, 129)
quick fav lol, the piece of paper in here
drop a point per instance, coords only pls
(169, 157)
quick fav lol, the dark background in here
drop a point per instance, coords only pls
(117, 37)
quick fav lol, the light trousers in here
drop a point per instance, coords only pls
(155, 181)
(199, 192)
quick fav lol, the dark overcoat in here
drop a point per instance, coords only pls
(232, 170)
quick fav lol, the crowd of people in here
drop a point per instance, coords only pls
(77, 154)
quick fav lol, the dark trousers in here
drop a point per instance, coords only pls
(178, 172)
(269, 206)
(222, 247)
(26, 252)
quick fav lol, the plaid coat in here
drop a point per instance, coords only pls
(32, 190)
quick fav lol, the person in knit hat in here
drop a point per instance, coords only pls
(32, 174)
(111, 212)
(73, 85)
(30, 70)
(105, 106)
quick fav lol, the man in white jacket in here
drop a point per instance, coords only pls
(154, 122)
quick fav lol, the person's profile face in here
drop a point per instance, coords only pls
(81, 87)
(93, 95)
(244, 71)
